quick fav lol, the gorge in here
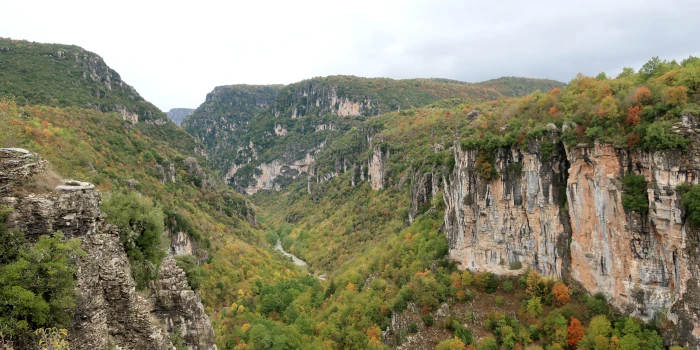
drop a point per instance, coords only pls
(513, 213)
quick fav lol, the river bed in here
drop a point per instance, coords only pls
(295, 259)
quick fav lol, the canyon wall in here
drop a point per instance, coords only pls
(561, 213)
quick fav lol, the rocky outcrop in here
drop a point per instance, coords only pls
(164, 175)
(424, 187)
(644, 263)
(181, 308)
(109, 311)
(129, 116)
(267, 179)
(280, 130)
(562, 215)
(377, 167)
(72, 209)
(182, 244)
(17, 166)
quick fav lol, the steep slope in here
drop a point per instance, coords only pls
(263, 137)
(203, 218)
(69, 76)
(131, 285)
(65, 75)
(177, 115)
(594, 184)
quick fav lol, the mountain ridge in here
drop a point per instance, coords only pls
(249, 130)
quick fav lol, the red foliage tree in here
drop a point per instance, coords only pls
(633, 114)
(575, 332)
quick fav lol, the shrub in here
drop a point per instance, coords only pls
(659, 136)
(463, 333)
(486, 282)
(635, 198)
(271, 237)
(534, 307)
(428, 320)
(597, 304)
(413, 328)
(516, 265)
(507, 286)
(690, 199)
(487, 343)
(193, 271)
(451, 344)
(37, 284)
(499, 301)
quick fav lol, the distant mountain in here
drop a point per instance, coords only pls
(177, 115)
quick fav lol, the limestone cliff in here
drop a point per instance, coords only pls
(109, 311)
(563, 216)
(260, 137)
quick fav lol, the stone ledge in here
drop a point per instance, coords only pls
(72, 185)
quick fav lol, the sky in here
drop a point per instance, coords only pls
(175, 52)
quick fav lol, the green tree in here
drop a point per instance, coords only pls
(451, 344)
(487, 343)
(260, 337)
(534, 307)
(629, 342)
(37, 288)
(599, 325)
(651, 68)
(691, 204)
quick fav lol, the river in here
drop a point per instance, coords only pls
(295, 259)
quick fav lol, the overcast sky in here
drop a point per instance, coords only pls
(174, 52)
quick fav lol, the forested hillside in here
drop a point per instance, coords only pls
(385, 230)
(263, 137)
(509, 214)
(161, 195)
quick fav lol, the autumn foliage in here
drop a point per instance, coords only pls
(676, 96)
(575, 332)
(561, 293)
(633, 115)
(642, 95)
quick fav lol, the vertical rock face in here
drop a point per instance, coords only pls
(181, 308)
(109, 311)
(377, 167)
(644, 263)
(515, 219)
(564, 217)
(424, 187)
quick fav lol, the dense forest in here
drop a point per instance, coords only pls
(379, 273)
